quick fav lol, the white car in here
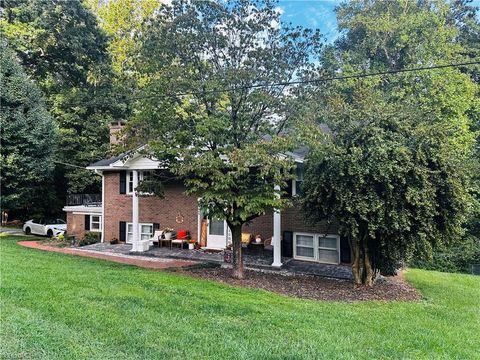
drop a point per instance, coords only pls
(44, 227)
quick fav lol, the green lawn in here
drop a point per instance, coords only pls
(56, 306)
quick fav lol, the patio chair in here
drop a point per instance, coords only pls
(156, 238)
(246, 239)
(181, 238)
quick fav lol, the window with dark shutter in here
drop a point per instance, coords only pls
(87, 222)
(156, 226)
(122, 235)
(123, 182)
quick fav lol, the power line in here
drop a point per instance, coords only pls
(313, 81)
(71, 165)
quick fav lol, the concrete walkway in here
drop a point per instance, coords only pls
(142, 261)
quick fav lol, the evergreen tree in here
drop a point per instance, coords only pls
(27, 140)
(63, 49)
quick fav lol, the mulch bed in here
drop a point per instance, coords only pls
(313, 287)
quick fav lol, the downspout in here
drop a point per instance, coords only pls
(102, 235)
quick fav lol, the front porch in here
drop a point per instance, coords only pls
(253, 261)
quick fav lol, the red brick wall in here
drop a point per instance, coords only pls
(118, 207)
(292, 219)
(76, 225)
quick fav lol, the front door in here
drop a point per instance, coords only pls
(217, 234)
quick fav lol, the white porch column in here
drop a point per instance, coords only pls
(103, 208)
(277, 228)
(135, 211)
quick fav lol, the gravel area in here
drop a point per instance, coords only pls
(314, 287)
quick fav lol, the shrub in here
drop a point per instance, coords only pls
(458, 257)
(89, 238)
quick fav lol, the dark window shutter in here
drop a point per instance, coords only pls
(123, 182)
(122, 235)
(156, 226)
(287, 244)
(345, 251)
(289, 189)
(87, 222)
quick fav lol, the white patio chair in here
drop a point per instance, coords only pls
(156, 237)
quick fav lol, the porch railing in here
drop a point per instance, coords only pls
(84, 199)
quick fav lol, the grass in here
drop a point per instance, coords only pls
(56, 306)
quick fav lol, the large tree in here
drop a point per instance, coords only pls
(395, 168)
(390, 176)
(122, 21)
(61, 46)
(27, 137)
(205, 111)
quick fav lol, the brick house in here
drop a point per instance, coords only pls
(125, 215)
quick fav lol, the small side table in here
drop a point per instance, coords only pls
(256, 248)
(161, 241)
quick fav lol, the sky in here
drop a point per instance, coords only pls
(318, 14)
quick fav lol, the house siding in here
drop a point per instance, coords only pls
(292, 219)
(76, 225)
(167, 211)
(176, 204)
(118, 207)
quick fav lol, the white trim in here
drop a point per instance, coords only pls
(315, 247)
(135, 214)
(129, 180)
(102, 238)
(297, 179)
(218, 238)
(277, 240)
(305, 258)
(139, 231)
(100, 223)
(82, 209)
(199, 222)
(128, 161)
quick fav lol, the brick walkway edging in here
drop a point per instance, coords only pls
(140, 261)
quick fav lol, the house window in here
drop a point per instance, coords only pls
(305, 246)
(95, 223)
(328, 249)
(316, 247)
(297, 183)
(142, 175)
(145, 232)
(130, 182)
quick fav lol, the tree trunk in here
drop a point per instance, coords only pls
(237, 251)
(368, 265)
(355, 245)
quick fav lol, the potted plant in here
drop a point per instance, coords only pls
(191, 244)
(167, 233)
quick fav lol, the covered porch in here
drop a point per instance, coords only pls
(218, 234)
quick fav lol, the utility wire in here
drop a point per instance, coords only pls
(312, 81)
(66, 164)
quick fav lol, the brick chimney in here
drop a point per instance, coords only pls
(115, 127)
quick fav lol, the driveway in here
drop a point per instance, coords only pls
(11, 231)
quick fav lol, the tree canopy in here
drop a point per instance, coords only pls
(61, 46)
(394, 172)
(202, 114)
(27, 138)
